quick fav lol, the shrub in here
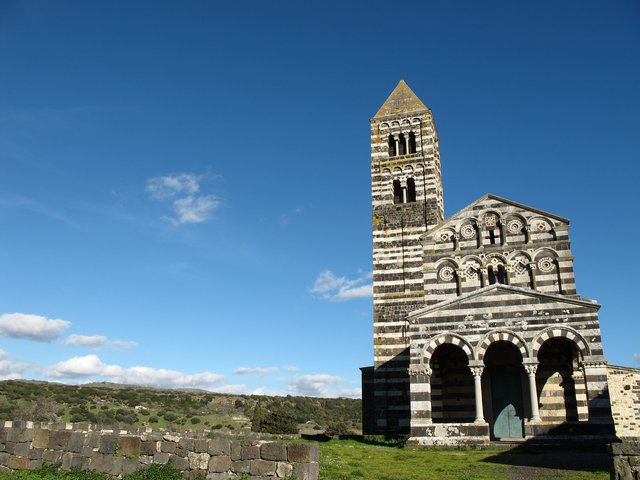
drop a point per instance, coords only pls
(195, 420)
(169, 417)
(337, 428)
(153, 419)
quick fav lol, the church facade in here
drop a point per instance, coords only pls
(478, 331)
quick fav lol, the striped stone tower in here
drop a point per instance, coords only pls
(478, 331)
(407, 199)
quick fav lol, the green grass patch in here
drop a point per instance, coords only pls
(351, 459)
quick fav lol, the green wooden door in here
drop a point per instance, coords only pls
(506, 392)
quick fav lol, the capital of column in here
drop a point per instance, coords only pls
(476, 371)
(530, 366)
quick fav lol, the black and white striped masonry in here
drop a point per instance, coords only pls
(478, 331)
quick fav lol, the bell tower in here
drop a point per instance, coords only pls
(407, 200)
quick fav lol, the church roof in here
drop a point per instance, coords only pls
(401, 100)
(500, 288)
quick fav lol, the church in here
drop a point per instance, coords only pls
(478, 331)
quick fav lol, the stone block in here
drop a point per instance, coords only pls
(219, 446)
(195, 474)
(179, 463)
(36, 463)
(201, 445)
(263, 467)
(236, 450)
(18, 463)
(305, 471)
(72, 460)
(129, 446)
(168, 447)
(92, 440)
(19, 435)
(40, 438)
(241, 466)
(220, 476)
(198, 461)
(186, 443)
(35, 453)
(250, 452)
(59, 439)
(19, 449)
(274, 451)
(112, 465)
(634, 461)
(219, 463)
(108, 444)
(161, 457)
(148, 447)
(130, 465)
(76, 442)
(284, 470)
(52, 457)
(303, 453)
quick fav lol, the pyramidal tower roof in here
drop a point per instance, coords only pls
(401, 100)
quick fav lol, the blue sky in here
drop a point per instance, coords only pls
(184, 186)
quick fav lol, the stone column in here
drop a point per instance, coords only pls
(420, 394)
(531, 369)
(477, 370)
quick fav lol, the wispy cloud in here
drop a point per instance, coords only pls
(318, 385)
(189, 205)
(336, 289)
(89, 366)
(8, 369)
(637, 358)
(31, 327)
(97, 341)
(285, 218)
(254, 370)
(233, 389)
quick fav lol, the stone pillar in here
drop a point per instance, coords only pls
(531, 368)
(476, 369)
(420, 394)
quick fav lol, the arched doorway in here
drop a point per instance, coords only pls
(452, 390)
(560, 382)
(504, 373)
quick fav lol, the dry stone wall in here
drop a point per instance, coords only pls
(626, 461)
(28, 445)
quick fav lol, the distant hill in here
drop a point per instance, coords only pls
(119, 405)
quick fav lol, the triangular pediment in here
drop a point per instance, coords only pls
(494, 202)
(402, 100)
(504, 291)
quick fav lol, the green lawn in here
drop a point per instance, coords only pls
(347, 459)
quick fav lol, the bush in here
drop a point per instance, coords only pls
(169, 417)
(153, 419)
(278, 421)
(337, 428)
(195, 420)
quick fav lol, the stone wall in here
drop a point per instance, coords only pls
(624, 390)
(28, 445)
(626, 461)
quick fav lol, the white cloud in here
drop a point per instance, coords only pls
(8, 369)
(92, 366)
(259, 370)
(350, 392)
(31, 327)
(169, 186)
(318, 385)
(96, 341)
(290, 368)
(183, 189)
(337, 289)
(637, 358)
(194, 209)
(233, 389)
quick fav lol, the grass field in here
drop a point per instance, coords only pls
(348, 459)
(351, 459)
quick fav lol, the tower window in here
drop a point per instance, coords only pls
(392, 146)
(402, 145)
(397, 192)
(412, 142)
(492, 237)
(411, 190)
